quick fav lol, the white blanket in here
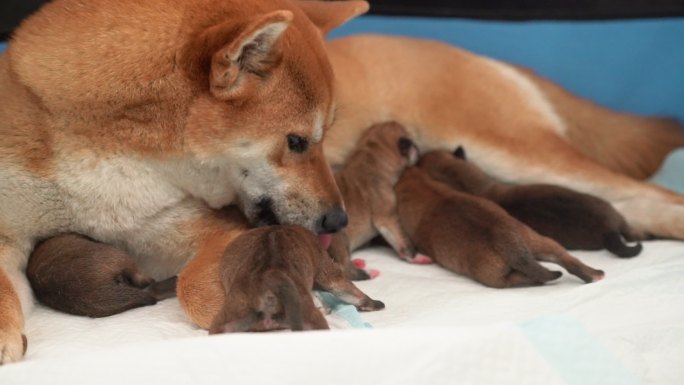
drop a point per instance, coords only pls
(438, 328)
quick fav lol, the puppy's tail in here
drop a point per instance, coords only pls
(284, 289)
(615, 244)
(529, 266)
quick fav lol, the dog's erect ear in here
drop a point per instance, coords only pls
(328, 15)
(254, 52)
(409, 150)
(459, 152)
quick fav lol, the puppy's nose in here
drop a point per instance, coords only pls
(332, 221)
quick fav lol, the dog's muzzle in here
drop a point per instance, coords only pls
(332, 221)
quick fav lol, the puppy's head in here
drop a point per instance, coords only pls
(455, 170)
(391, 142)
(264, 100)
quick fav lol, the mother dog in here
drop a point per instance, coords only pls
(129, 121)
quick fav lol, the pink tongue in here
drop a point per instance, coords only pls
(325, 240)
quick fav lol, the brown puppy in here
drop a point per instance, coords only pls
(573, 219)
(78, 275)
(268, 273)
(367, 185)
(475, 237)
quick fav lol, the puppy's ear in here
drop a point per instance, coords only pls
(328, 15)
(408, 150)
(459, 152)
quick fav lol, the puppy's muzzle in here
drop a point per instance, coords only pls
(332, 221)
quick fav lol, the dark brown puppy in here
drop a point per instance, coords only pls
(78, 275)
(268, 274)
(573, 219)
(366, 182)
(475, 237)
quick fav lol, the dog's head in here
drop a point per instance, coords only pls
(264, 102)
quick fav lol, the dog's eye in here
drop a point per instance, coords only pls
(297, 143)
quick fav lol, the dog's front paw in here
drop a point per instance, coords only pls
(13, 346)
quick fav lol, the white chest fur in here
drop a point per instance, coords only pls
(114, 195)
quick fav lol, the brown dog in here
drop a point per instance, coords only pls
(132, 122)
(517, 126)
(268, 273)
(367, 185)
(80, 276)
(475, 237)
(573, 219)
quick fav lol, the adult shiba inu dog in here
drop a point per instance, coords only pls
(129, 122)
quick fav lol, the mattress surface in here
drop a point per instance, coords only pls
(626, 329)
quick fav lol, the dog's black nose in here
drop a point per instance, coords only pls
(332, 221)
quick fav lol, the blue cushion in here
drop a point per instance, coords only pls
(633, 65)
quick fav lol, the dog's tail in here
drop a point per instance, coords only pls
(528, 265)
(285, 291)
(615, 243)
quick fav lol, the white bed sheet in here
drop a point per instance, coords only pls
(438, 328)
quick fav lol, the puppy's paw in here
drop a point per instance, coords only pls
(371, 305)
(417, 259)
(355, 274)
(13, 346)
(359, 263)
(422, 259)
(597, 275)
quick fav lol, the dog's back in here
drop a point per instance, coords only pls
(575, 220)
(466, 234)
(268, 274)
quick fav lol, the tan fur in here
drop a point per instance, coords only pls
(126, 121)
(199, 287)
(366, 182)
(516, 126)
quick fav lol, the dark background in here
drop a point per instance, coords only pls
(13, 11)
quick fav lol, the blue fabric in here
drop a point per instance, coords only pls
(671, 173)
(347, 312)
(576, 355)
(631, 65)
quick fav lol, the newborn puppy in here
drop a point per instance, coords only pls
(367, 185)
(573, 219)
(268, 274)
(475, 237)
(78, 275)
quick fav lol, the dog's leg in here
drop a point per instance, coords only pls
(330, 277)
(15, 296)
(339, 251)
(199, 287)
(548, 250)
(389, 227)
(518, 279)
